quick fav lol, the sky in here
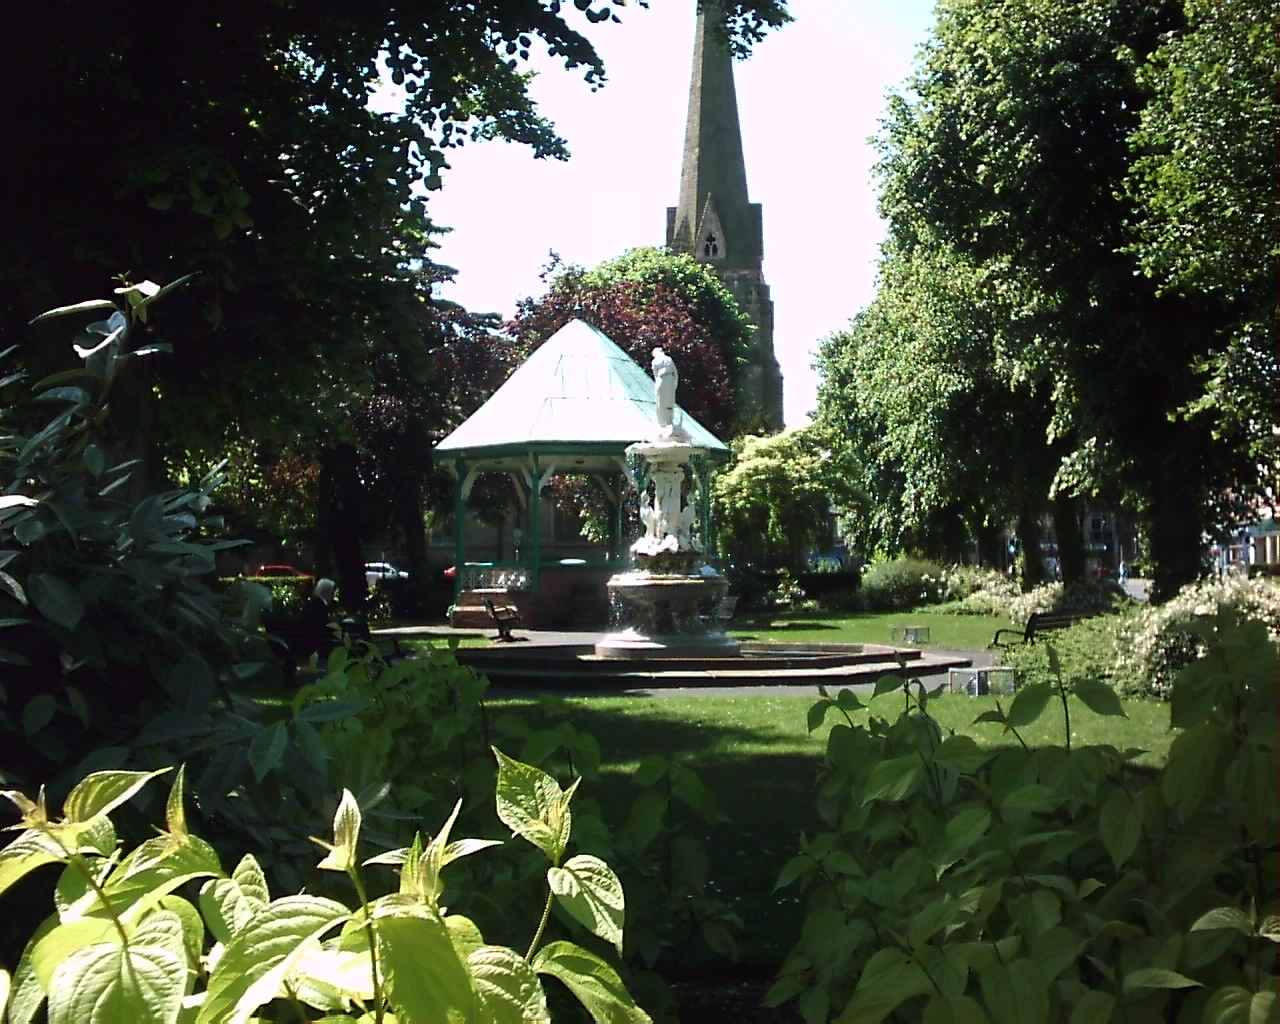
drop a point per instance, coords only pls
(809, 98)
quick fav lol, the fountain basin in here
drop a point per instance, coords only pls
(666, 615)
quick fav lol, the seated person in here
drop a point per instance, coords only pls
(315, 633)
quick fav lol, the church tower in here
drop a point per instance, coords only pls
(714, 220)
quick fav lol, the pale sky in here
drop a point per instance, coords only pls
(809, 97)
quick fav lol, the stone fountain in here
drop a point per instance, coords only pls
(666, 605)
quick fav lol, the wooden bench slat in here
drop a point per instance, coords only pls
(1039, 622)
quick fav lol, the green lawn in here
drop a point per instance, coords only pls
(757, 756)
(965, 632)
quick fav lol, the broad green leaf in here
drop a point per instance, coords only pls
(644, 821)
(64, 939)
(593, 981)
(962, 830)
(532, 805)
(887, 684)
(507, 986)
(588, 889)
(55, 599)
(894, 779)
(817, 713)
(78, 307)
(6, 983)
(1233, 1004)
(888, 980)
(1157, 977)
(267, 749)
(249, 875)
(427, 980)
(1015, 993)
(953, 1010)
(847, 700)
(346, 835)
(1120, 826)
(1098, 697)
(1028, 704)
(106, 983)
(192, 926)
(256, 961)
(689, 788)
(37, 713)
(32, 849)
(1094, 1007)
(156, 867)
(27, 996)
(102, 792)
(1224, 917)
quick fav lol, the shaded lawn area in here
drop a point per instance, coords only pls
(758, 758)
(964, 632)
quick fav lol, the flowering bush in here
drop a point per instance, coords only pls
(973, 590)
(902, 583)
(1091, 596)
(1156, 643)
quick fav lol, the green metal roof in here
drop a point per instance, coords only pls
(577, 389)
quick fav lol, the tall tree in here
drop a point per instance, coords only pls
(1013, 150)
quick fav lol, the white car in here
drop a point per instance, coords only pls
(375, 572)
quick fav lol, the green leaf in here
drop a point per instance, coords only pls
(88, 306)
(532, 805)
(38, 713)
(593, 981)
(1224, 917)
(1120, 826)
(888, 980)
(427, 980)
(254, 964)
(1015, 993)
(953, 1010)
(1094, 1007)
(644, 821)
(55, 599)
(887, 684)
(893, 779)
(32, 849)
(266, 750)
(818, 713)
(1232, 1004)
(588, 889)
(56, 945)
(248, 874)
(105, 983)
(1028, 704)
(1156, 977)
(507, 986)
(963, 829)
(102, 792)
(1099, 698)
(346, 835)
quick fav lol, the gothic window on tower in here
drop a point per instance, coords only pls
(711, 247)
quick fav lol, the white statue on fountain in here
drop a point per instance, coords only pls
(668, 523)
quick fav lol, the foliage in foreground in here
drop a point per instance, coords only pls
(1062, 883)
(124, 944)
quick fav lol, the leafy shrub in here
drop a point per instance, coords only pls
(1093, 597)
(1086, 650)
(973, 590)
(1063, 883)
(1159, 641)
(288, 593)
(901, 584)
(125, 946)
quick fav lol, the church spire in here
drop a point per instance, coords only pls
(714, 218)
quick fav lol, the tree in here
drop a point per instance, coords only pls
(779, 498)
(238, 141)
(1013, 152)
(1206, 207)
(651, 297)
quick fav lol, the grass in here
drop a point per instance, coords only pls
(962, 632)
(757, 756)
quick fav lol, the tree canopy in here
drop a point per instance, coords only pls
(1017, 151)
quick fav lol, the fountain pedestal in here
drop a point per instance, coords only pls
(666, 606)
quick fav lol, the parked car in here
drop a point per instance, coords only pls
(374, 572)
(280, 570)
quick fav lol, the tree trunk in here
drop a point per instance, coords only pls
(1174, 527)
(338, 520)
(1066, 524)
(1029, 540)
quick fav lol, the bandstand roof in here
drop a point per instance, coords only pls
(579, 397)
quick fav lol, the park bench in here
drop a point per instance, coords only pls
(504, 617)
(1039, 622)
(724, 611)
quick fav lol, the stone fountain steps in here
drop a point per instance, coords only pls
(764, 665)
